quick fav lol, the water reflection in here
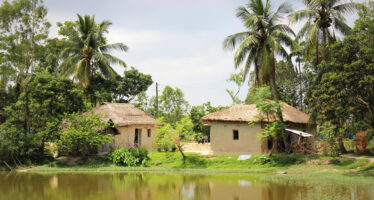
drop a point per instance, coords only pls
(164, 186)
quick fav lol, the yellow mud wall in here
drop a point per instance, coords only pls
(221, 138)
(127, 135)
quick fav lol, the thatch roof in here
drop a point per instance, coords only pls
(123, 114)
(247, 113)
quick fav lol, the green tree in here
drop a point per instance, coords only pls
(323, 18)
(197, 112)
(344, 92)
(164, 135)
(288, 83)
(270, 112)
(262, 42)
(170, 136)
(50, 98)
(142, 102)
(238, 79)
(88, 52)
(131, 84)
(84, 134)
(173, 106)
(23, 31)
(258, 95)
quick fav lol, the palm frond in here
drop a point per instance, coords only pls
(242, 13)
(106, 69)
(112, 59)
(342, 27)
(67, 66)
(115, 46)
(245, 46)
(283, 9)
(302, 32)
(283, 38)
(346, 8)
(82, 73)
(301, 15)
(284, 28)
(230, 42)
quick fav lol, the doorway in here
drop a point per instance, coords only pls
(137, 137)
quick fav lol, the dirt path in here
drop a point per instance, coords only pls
(352, 156)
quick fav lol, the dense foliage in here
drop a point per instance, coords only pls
(36, 90)
(83, 134)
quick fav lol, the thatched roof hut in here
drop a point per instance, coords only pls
(247, 113)
(123, 114)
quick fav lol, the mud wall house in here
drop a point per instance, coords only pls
(133, 127)
(230, 132)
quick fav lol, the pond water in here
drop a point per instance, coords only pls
(164, 186)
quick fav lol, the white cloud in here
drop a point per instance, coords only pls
(197, 65)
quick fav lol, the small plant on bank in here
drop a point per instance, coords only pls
(329, 136)
(130, 157)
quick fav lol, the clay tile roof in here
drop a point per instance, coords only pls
(247, 113)
(123, 114)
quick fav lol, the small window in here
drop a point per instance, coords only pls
(235, 134)
(149, 132)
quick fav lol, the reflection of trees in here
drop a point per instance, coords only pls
(166, 186)
(195, 187)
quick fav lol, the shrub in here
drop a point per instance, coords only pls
(143, 154)
(329, 134)
(130, 158)
(124, 157)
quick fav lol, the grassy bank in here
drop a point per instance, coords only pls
(172, 161)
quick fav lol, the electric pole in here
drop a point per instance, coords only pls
(156, 100)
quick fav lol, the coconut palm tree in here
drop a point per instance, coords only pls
(264, 39)
(88, 52)
(323, 18)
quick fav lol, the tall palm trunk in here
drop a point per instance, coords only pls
(27, 107)
(273, 85)
(301, 85)
(326, 44)
(317, 50)
(257, 75)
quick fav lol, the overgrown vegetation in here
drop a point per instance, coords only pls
(130, 157)
(83, 134)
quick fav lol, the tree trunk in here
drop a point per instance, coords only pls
(27, 107)
(274, 145)
(341, 146)
(301, 87)
(317, 50)
(287, 145)
(273, 85)
(326, 44)
(257, 75)
(181, 151)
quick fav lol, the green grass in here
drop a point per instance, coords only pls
(172, 161)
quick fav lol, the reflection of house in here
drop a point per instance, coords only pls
(230, 132)
(134, 127)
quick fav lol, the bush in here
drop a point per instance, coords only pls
(124, 157)
(329, 135)
(130, 158)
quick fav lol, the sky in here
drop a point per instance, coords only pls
(177, 42)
